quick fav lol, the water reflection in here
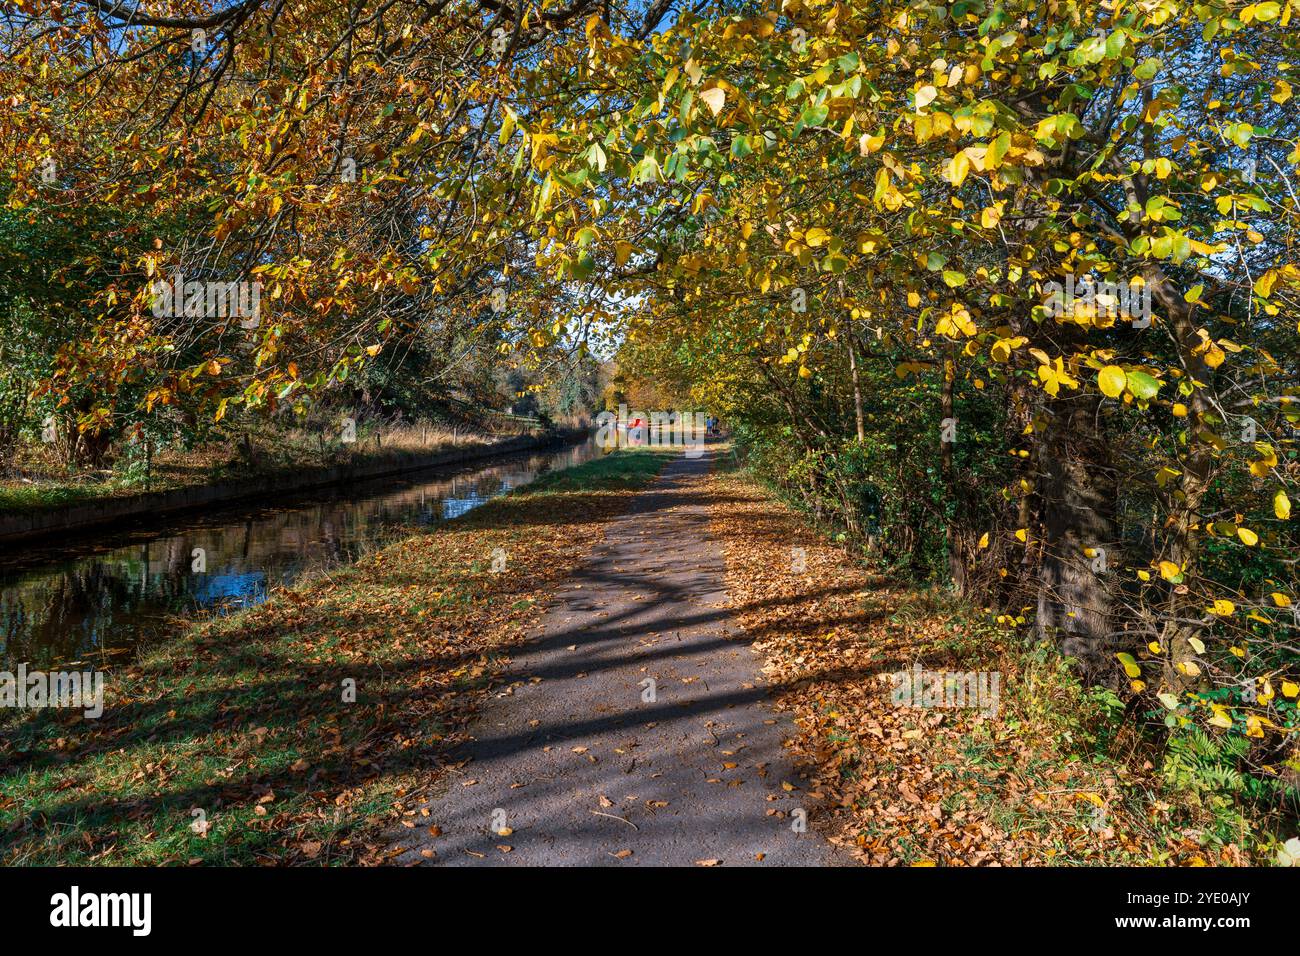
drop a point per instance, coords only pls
(106, 593)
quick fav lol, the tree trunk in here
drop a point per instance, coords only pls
(1077, 491)
(1185, 608)
(857, 388)
(951, 497)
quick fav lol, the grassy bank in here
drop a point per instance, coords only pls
(249, 720)
(1054, 776)
(39, 482)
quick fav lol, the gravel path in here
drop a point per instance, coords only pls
(583, 765)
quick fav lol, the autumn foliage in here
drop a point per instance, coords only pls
(861, 231)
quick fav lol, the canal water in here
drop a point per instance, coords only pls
(99, 595)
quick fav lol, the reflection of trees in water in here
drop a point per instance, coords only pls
(100, 601)
(62, 611)
(64, 615)
(176, 555)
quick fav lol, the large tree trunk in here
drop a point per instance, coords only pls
(1077, 491)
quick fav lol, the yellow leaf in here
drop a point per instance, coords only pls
(1130, 665)
(1112, 380)
(1002, 348)
(984, 540)
(1169, 570)
(714, 99)
(1282, 505)
(1248, 537)
(957, 169)
(1264, 284)
(868, 144)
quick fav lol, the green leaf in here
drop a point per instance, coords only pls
(814, 115)
(1143, 386)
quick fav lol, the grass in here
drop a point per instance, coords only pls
(50, 494)
(623, 470)
(273, 452)
(236, 742)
